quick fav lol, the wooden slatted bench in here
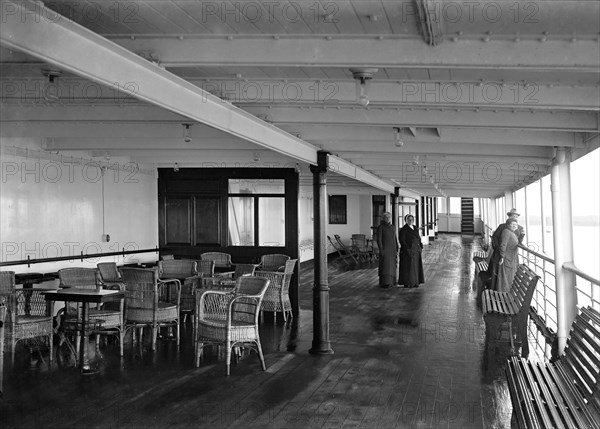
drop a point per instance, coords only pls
(481, 254)
(480, 258)
(510, 307)
(481, 266)
(563, 394)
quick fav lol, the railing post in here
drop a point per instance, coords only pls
(320, 343)
(566, 292)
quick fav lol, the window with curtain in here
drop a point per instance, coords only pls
(256, 212)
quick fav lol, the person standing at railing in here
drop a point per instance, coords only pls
(387, 241)
(508, 259)
(496, 237)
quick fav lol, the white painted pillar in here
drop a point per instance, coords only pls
(566, 296)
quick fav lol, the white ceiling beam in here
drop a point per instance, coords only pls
(332, 51)
(122, 134)
(511, 149)
(296, 116)
(518, 95)
(346, 168)
(461, 118)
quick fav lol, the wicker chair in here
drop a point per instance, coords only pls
(240, 270)
(151, 302)
(24, 322)
(273, 262)
(277, 298)
(104, 320)
(220, 259)
(186, 271)
(206, 268)
(230, 318)
(110, 277)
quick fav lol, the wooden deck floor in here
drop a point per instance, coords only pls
(403, 358)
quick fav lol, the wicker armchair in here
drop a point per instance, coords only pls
(104, 320)
(277, 297)
(273, 262)
(109, 277)
(230, 318)
(151, 301)
(186, 271)
(206, 268)
(240, 270)
(24, 322)
(220, 259)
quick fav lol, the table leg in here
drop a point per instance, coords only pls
(83, 356)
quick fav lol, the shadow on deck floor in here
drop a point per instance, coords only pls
(403, 358)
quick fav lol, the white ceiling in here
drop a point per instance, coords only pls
(481, 92)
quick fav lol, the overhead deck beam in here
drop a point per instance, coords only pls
(393, 51)
(324, 115)
(383, 91)
(63, 43)
(454, 150)
(440, 117)
(89, 133)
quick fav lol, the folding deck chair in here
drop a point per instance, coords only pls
(344, 254)
(352, 250)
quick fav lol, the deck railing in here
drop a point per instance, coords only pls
(544, 299)
(588, 288)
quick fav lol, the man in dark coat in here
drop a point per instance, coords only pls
(387, 241)
(411, 263)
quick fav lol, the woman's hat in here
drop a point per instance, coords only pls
(512, 212)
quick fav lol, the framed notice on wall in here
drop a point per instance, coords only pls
(337, 209)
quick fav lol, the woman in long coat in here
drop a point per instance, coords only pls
(509, 261)
(411, 263)
(387, 241)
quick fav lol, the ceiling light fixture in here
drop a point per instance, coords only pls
(363, 77)
(51, 74)
(187, 134)
(398, 136)
(51, 90)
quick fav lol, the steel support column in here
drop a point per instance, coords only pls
(394, 203)
(321, 343)
(566, 295)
